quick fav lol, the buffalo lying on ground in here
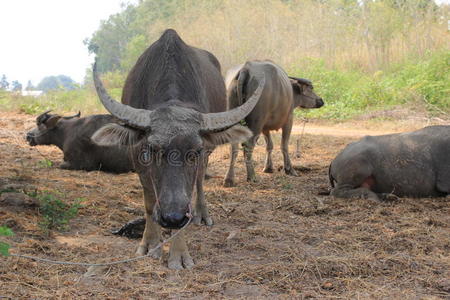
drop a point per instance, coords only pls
(174, 108)
(414, 164)
(280, 96)
(73, 136)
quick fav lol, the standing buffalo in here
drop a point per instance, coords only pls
(280, 96)
(174, 104)
(73, 136)
(414, 164)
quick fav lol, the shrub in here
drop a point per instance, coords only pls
(56, 214)
(45, 163)
(351, 92)
(4, 247)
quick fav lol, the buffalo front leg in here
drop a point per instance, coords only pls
(201, 214)
(285, 135)
(268, 167)
(179, 256)
(229, 178)
(248, 157)
(152, 232)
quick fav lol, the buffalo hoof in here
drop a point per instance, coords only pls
(252, 179)
(180, 261)
(150, 251)
(389, 197)
(268, 170)
(229, 183)
(93, 273)
(371, 197)
(66, 166)
(290, 172)
(199, 220)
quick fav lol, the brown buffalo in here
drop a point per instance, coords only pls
(280, 96)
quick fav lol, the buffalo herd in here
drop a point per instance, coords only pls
(176, 108)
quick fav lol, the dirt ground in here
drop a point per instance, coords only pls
(278, 238)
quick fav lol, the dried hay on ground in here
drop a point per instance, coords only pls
(274, 239)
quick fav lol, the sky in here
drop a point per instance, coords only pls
(45, 37)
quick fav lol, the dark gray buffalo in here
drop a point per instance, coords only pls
(280, 96)
(73, 136)
(414, 164)
(174, 106)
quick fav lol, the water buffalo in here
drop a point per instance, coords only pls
(173, 104)
(280, 96)
(414, 164)
(73, 136)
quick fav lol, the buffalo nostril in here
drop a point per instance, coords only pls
(320, 102)
(29, 137)
(173, 220)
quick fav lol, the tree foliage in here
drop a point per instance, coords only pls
(123, 36)
(60, 82)
(16, 86)
(110, 41)
(30, 86)
(367, 33)
(4, 84)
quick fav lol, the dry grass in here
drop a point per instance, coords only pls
(287, 31)
(275, 239)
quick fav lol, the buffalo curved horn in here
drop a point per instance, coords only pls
(44, 113)
(43, 117)
(74, 116)
(222, 120)
(301, 80)
(134, 117)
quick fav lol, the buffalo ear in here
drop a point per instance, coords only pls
(51, 122)
(114, 134)
(235, 134)
(296, 87)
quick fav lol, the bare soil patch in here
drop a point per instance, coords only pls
(278, 238)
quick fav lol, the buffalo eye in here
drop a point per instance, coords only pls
(192, 156)
(145, 156)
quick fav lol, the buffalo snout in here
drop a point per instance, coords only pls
(31, 139)
(319, 103)
(173, 220)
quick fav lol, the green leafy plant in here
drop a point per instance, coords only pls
(4, 247)
(45, 163)
(32, 108)
(8, 190)
(351, 92)
(56, 213)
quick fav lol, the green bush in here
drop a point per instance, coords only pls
(84, 100)
(45, 163)
(427, 80)
(348, 93)
(4, 247)
(56, 214)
